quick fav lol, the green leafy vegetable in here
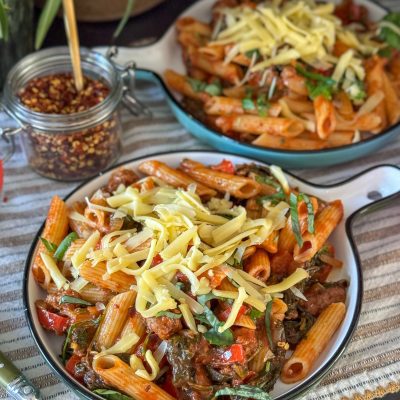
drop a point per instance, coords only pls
(46, 19)
(389, 35)
(255, 314)
(262, 105)
(250, 53)
(201, 318)
(274, 198)
(4, 28)
(51, 247)
(64, 352)
(267, 366)
(248, 104)
(246, 391)
(168, 314)
(111, 394)
(268, 181)
(268, 310)
(63, 247)
(125, 18)
(294, 200)
(213, 336)
(317, 84)
(73, 300)
(214, 88)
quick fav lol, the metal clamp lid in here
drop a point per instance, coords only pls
(134, 105)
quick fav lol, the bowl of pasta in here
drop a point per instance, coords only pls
(300, 84)
(196, 275)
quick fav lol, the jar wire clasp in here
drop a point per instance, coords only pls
(127, 71)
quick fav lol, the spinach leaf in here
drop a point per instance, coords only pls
(111, 394)
(268, 310)
(168, 314)
(64, 245)
(51, 247)
(388, 35)
(246, 391)
(73, 300)
(213, 336)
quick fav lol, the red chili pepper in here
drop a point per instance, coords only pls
(157, 260)
(225, 166)
(70, 366)
(234, 354)
(52, 321)
(223, 315)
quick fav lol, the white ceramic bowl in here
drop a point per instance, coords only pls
(357, 194)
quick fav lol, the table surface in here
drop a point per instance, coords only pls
(144, 28)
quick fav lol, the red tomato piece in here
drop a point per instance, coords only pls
(225, 166)
(234, 354)
(70, 366)
(52, 321)
(225, 313)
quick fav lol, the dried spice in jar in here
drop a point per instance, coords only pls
(66, 134)
(73, 155)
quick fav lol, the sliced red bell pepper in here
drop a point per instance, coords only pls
(223, 315)
(157, 260)
(225, 166)
(235, 353)
(52, 321)
(70, 366)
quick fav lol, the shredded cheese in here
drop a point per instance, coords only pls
(235, 310)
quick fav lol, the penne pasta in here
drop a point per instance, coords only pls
(114, 319)
(309, 349)
(293, 143)
(325, 222)
(258, 265)
(240, 187)
(324, 116)
(55, 229)
(174, 177)
(120, 375)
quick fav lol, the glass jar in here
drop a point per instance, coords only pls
(73, 146)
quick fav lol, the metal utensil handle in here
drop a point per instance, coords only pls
(127, 71)
(15, 383)
(7, 134)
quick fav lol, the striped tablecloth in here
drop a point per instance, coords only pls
(370, 366)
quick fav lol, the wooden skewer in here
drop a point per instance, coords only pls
(73, 42)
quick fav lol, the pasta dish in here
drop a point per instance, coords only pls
(288, 74)
(194, 283)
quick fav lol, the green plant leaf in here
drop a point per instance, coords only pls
(124, 20)
(111, 394)
(248, 104)
(246, 391)
(73, 300)
(391, 37)
(46, 19)
(64, 245)
(268, 310)
(3, 21)
(51, 247)
(168, 314)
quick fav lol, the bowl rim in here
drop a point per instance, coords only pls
(391, 130)
(302, 388)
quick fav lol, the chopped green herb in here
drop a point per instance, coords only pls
(168, 314)
(246, 391)
(274, 198)
(196, 84)
(214, 88)
(388, 35)
(268, 310)
(248, 104)
(293, 201)
(250, 53)
(268, 181)
(63, 247)
(255, 314)
(262, 105)
(111, 394)
(51, 247)
(267, 366)
(213, 336)
(202, 319)
(317, 84)
(73, 300)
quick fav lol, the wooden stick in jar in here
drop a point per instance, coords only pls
(73, 42)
